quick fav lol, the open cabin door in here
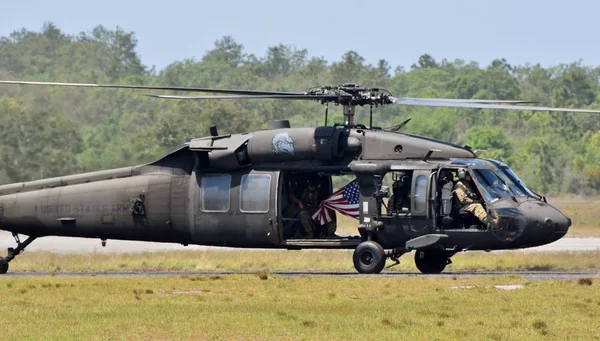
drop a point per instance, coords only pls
(291, 229)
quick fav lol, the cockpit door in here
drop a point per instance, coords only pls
(420, 208)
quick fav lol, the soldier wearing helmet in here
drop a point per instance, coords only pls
(400, 193)
(308, 205)
(468, 198)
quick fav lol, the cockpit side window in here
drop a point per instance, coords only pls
(493, 187)
(515, 188)
(512, 178)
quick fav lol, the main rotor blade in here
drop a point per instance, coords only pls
(151, 87)
(491, 101)
(292, 97)
(426, 102)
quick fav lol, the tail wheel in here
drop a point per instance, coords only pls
(369, 258)
(431, 262)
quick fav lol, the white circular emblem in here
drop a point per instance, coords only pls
(283, 144)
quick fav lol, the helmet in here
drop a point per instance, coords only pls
(312, 182)
(462, 173)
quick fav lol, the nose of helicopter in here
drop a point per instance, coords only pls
(545, 223)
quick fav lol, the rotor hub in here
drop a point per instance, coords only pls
(351, 95)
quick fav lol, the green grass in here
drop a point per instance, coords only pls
(300, 308)
(278, 260)
(583, 211)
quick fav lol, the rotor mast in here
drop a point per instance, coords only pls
(349, 111)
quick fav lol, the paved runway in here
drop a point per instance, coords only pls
(83, 245)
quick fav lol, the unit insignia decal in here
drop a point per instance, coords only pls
(283, 144)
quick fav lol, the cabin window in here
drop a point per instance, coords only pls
(256, 189)
(420, 193)
(215, 192)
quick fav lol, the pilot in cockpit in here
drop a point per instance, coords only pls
(468, 198)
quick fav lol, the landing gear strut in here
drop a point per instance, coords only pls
(431, 261)
(14, 252)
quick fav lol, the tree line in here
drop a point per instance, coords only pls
(55, 131)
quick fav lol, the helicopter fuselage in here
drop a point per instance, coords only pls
(234, 190)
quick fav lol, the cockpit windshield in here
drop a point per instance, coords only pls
(514, 176)
(511, 178)
(493, 186)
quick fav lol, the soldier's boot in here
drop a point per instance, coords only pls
(309, 233)
(306, 225)
(331, 227)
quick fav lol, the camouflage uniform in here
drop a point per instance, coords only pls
(399, 199)
(309, 200)
(465, 195)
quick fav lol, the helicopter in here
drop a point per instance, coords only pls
(242, 190)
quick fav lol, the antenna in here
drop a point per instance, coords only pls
(431, 151)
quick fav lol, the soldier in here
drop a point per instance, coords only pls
(308, 206)
(468, 199)
(401, 191)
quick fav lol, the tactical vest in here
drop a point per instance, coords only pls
(309, 200)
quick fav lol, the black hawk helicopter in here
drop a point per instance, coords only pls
(254, 189)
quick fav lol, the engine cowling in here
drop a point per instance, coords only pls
(297, 144)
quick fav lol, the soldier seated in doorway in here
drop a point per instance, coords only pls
(308, 204)
(399, 200)
(468, 199)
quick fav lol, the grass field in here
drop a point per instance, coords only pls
(584, 212)
(254, 307)
(278, 260)
(263, 306)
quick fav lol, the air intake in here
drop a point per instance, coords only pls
(279, 124)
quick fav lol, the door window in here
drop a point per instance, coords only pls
(255, 193)
(215, 192)
(420, 193)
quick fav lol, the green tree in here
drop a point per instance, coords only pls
(36, 144)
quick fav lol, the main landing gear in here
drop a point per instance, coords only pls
(369, 256)
(14, 252)
(431, 262)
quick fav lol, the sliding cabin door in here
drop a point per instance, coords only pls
(236, 209)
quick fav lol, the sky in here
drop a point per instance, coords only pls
(548, 32)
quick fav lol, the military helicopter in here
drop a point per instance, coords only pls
(238, 190)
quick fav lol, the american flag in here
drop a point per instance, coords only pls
(344, 200)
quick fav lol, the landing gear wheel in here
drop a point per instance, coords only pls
(12, 252)
(431, 262)
(369, 258)
(3, 267)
